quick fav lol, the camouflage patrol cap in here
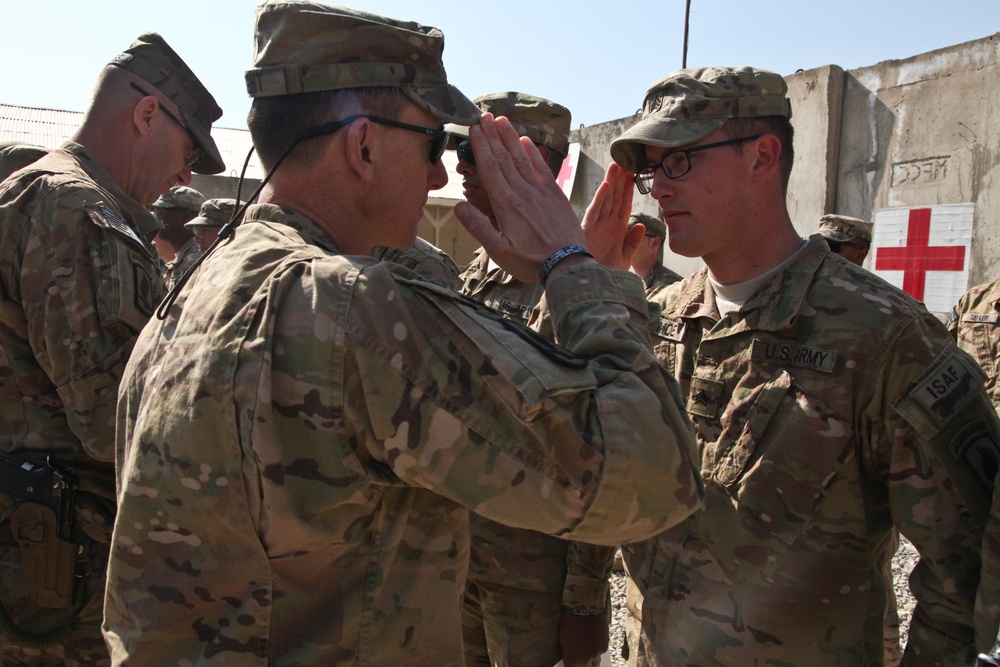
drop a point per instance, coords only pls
(305, 47)
(693, 103)
(843, 228)
(152, 59)
(214, 213)
(653, 225)
(180, 196)
(537, 118)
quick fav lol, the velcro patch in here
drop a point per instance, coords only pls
(787, 354)
(704, 400)
(981, 318)
(946, 388)
(102, 216)
(671, 329)
(976, 445)
(143, 289)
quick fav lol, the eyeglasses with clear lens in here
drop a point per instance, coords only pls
(196, 154)
(678, 163)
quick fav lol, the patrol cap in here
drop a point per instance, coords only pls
(214, 213)
(180, 196)
(304, 47)
(693, 103)
(541, 120)
(844, 228)
(152, 59)
(653, 225)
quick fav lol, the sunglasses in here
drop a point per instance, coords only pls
(439, 138)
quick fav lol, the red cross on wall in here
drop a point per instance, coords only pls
(916, 258)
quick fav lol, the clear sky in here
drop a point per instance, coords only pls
(596, 57)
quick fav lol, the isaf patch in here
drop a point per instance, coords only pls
(946, 388)
(786, 354)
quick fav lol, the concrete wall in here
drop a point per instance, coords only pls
(901, 133)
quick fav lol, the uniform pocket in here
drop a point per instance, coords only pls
(780, 452)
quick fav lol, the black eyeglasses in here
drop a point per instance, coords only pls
(196, 154)
(678, 163)
(439, 138)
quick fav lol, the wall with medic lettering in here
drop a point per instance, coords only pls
(913, 145)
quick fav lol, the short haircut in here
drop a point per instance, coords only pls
(779, 126)
(277, 122)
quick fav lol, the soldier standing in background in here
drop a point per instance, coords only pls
(530, 598)
(78, 281)
(647, 261)
(175, 242)
(851, 238)
(212, 216)
(829, 407)
(301, 436)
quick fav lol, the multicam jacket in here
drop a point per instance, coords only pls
(299, 440)
(424, 258)
(499, 290)
(829, 408)
(187, 255)
(975, 326)
(659, 277)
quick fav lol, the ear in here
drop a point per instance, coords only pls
(767, 157)
(360, 148)
(657, 242)
(142, 114)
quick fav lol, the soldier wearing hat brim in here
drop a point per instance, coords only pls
(174, 242)
(830, 407)
(212, 216)
(79, 280)
(851, 238)
(303, 434)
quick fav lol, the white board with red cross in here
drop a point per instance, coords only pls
(925, 251)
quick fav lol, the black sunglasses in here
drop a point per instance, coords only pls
(439, 138)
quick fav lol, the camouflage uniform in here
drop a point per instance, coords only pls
(301, 438)
(521, 580)
(659, 277)
(828, 408)
(186, 256)
(16, 155)
(352, 410)
(975, 326)
(79, 281)
(186, 203)
(425, 258)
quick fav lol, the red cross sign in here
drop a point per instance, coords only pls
(925, 251)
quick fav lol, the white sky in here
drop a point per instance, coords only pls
(596, 57)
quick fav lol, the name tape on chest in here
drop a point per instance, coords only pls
(512, 310)
(787, 354)
(981, 318)
(670, 329)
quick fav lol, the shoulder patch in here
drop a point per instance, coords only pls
(143, 289)
(946, 388)
(981, 318)
(786, 354)
(104, 217)
(671, 329)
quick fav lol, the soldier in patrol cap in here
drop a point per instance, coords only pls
(648, 259)
(79, 280)
(175, 242)
(303, 433)
(212, 216)
(523, 585)
(829, 407)
(851, 238)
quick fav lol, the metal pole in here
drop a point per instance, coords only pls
(687, 17)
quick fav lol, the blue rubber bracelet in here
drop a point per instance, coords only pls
(558, 256)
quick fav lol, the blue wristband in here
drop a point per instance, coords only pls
(558, 256)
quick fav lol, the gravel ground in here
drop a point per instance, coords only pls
(904, 561)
